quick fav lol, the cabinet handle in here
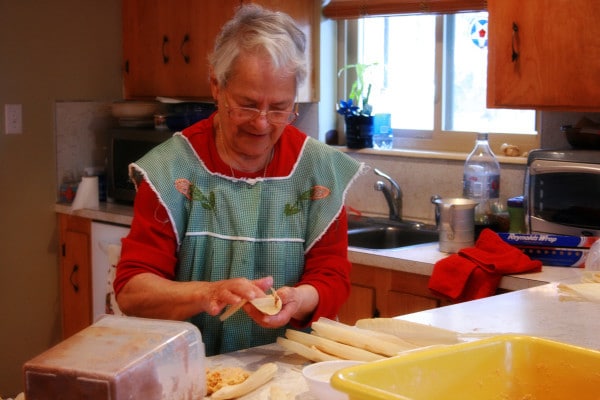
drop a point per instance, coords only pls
(515, 42)
(164, 45)
(75, 286)
(185, 56)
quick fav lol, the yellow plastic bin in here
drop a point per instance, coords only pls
(511, 367)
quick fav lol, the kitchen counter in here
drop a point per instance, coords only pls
(113, 213)
(537, 311)
(534, 307)
(289, 374)
(418, 259)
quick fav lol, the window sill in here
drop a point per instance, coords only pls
(424, 154)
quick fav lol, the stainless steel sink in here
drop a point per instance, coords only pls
(380, 233)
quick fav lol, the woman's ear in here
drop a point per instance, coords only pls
(214, 85)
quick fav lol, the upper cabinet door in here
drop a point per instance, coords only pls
(544, 54)
(166, 45)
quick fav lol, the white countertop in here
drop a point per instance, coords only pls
(289, 374)
(113, 213)
(418, 259)
(538, 311)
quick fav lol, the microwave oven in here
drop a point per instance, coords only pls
(562, 192)
(128, 145)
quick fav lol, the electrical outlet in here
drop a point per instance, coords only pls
(13, 118)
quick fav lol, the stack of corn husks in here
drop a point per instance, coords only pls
(370, 340)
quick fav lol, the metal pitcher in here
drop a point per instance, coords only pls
(455, 219)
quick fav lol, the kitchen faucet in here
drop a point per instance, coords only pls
(392, 193)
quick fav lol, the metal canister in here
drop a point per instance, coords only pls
(517, 214)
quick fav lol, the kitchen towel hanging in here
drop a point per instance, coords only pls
(475, 272)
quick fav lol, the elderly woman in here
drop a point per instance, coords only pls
(241, 202)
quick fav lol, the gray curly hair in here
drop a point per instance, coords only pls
(256, 28)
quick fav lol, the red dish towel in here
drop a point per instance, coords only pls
(475, 272)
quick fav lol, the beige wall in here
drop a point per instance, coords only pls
(50, 51)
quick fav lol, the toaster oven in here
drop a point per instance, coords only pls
(126, 146)
(562, 192)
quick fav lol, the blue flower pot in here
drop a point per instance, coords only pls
(359, 131)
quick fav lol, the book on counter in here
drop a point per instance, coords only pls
(551, 249)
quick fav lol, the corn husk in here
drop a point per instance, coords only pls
(328, 346)
(265, 373)
(373, 341)
(419, 335)
(309, 352)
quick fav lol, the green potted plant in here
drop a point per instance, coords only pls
(357, 110)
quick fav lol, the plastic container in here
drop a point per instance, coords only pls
(592, 262)
(383, 136)
(481, 180)
(318, 375)
(501, 367)
(121, 358)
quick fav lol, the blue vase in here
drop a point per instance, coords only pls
(359, 131)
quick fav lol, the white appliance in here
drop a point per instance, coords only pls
(106, 245)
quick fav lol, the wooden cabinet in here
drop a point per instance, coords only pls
(75, 273)
(166, 44)
(366, 284)
(543, 54)
(380, 292)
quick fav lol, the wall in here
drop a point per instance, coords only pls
(419, 179)
(51, 51)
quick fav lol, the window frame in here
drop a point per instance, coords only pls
(436, 140)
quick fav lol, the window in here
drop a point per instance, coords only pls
(431, 76)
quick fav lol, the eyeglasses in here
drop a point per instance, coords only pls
(240, 115)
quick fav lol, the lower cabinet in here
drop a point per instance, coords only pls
(75, 273)
(380, 292)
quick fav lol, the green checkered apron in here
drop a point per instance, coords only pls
(252, 228)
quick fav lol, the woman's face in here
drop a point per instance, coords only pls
(255, 84)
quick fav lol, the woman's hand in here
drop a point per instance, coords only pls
(297, 302)
(232, 291)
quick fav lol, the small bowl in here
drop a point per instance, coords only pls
(134, 109)
(318, 375)
(581, 140)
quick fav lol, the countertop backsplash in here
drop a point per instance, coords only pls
(419, 179)
(81, 137)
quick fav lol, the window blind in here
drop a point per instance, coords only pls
(350, 9)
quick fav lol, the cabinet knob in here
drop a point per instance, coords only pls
(73, 271)
(185, 56)
(164, 45)
(515, 42)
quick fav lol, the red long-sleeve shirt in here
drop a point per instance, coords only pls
(151, 245)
